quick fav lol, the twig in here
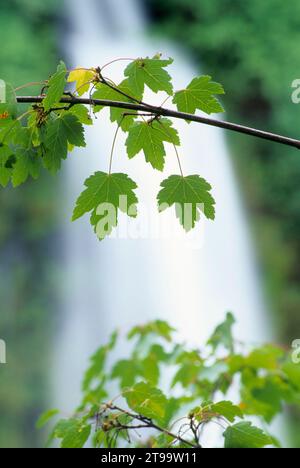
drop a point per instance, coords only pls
(119, 91)
(113, 147)
(195, 433)
(160, 111)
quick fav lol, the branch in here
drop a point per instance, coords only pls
(160, 111)
(150, 424)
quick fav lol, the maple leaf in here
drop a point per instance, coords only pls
(26, 160)
(105, 195)
(5, 169)
(61, 131)
(8, 130)
(73, 433)
(147, 400)
(150, 72)
(82, 113)
(149, 137)
(83, 78)
(190, 195)
(27, 164)
(224, 408)
(56, 87)
(245, 435)
(223, 334)
(200, 94)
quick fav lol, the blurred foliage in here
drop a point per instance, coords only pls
(177, 392)
(30, 42)
(27, 224)
(253, 48)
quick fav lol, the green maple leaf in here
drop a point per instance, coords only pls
(227, 409)
(263, 396)
(56, 87)
(46, 417)
(146, 400)
(104, 92)
(22, 137)
(267, 357)
(292, 372)
(82, 113)
(200, 94)
(222, 335)
(8, 130)
(27, 164)
(73, 432)
(74, 130)
(246, 436)
(96, 371)
(5, 169)
(190, 195)
(150, 72)
(157, 328)
(149, 137)
(126, 371)
(61, 131)
(105, 195)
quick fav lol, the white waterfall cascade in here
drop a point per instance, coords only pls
(189, 280)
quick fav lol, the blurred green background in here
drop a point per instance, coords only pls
(28, 227)
(253, 48)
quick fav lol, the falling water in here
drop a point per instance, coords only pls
(191, 281)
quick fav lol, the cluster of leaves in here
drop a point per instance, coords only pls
(176, 393)
(43, 136)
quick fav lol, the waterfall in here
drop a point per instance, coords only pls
(189, 280)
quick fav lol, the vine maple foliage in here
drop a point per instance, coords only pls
(167, 395)
(53, 125)
(40, 137)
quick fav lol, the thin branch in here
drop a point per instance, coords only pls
(122, 93)
(137, 427)
(195, 433)
(29, 85)
(117, 60)
(113, 147)
(175, 148)
(160, 111)
(150, 424)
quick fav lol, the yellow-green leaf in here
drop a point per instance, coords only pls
(83, 78)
